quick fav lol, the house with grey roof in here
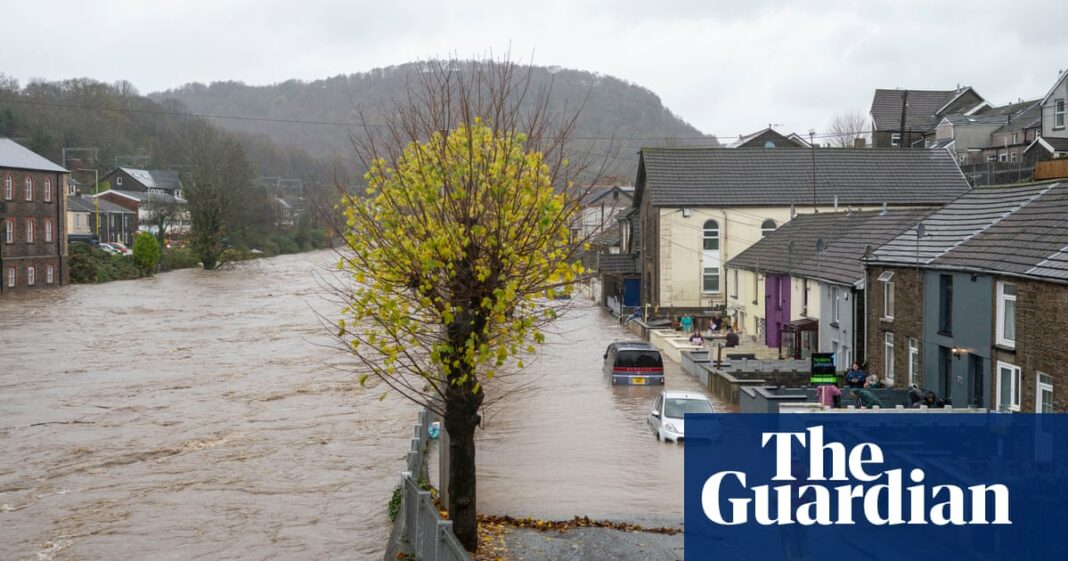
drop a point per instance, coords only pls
(908, 118)
(802, 286)
(94, 216)
(1053, 141)
(769, 138)
(698, 208)
(970, 302)
(163, 182)
(33, 240)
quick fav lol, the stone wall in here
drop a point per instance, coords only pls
(907, 321)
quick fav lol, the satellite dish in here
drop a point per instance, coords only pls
(769, 145)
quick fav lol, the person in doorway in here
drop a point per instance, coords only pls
(697, 338)
(732, 338)
(865, 399)
(855, 377)
(716, 324)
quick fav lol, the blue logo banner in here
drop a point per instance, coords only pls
(880, 486)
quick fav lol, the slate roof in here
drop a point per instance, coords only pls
(1017, 230)
(780, 140)
(141, 196)
(845, 235)
(16, 156)
(1023, 116)
(1058, 144)
(617, 263)
(155, 178)
(962, 119)
(87, 204)
(723, 177)
(922, 110)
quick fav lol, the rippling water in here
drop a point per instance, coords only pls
(191, 416)
(203, 415)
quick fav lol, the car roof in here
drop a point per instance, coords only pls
(684, 395)
(633, 345)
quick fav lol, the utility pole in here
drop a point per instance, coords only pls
(904, 108)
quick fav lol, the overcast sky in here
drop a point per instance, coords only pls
(726, 67)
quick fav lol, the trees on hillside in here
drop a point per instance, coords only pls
(457, 247)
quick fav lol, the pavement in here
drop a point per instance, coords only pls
(595, 544)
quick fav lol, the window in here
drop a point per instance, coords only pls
(711, 235)
(50, 274)
(888, 297)
(991, 157)
(1012, 157)
(1044, 394)
(804, 297)
(1008, 387)
(1058, 114)
(9, 189)
(1003, 157)
(888, 360)
(734, 283)
(29, 230)
(28, 188)
(945, 370)
(78, 219)
(11, 277)
(9, 231)
(1006, 314)
(835, 305)
(48, 231)
(48, 190)
(945, 304)
(767, 227)
(31, 275)
(710, 280)
(895, 139)
(756, 286)
(118, 181)
(914, 361)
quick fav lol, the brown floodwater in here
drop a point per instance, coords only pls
(206, 416)
(191, 416)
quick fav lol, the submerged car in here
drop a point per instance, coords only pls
(667, 419)
(635, 363)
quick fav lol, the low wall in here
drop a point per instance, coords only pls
(762, 399)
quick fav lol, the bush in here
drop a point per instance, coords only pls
(82, 263)
(146, 253)
(178, 258)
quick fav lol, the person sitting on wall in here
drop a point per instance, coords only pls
(829, 395)
(855, 377)
(932, 401)
(732, 338)
(865, 399)
(915, 395)
(872, 381)
(686, 323)
(697, 338)
(716, 324)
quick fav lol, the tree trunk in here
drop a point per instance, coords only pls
(461, 420)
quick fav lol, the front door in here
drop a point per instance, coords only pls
(776, 307)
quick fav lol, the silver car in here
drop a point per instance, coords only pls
(669, 411)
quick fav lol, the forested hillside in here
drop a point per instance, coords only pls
(611, 109)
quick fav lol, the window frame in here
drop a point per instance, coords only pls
(27, 188)
(945, 304)
(1058, 114)
(48, 230)
(1002, 300)
(1043, 386)
(706, 237)
(50, 274)
(9, 187)
(888, 300)
(914, 361)
(30, 237)
(31, 275)
(1014, 386)
(734, 283)
(836, 306)
(46, 195)
(888, 357)
(895, 139)
(12, 277)
(9, 231)
(705, 275)
(765, 229)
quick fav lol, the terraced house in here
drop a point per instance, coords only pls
(33, 247)
(971, 302)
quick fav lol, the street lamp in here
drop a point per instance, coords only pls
(96, 199)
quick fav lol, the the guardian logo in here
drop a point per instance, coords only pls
(858, 487)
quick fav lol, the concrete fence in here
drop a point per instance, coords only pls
(429, 537)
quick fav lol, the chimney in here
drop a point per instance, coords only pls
(860, 143)
(884, 211)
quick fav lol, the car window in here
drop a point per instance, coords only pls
(677, 408)
(639, 359)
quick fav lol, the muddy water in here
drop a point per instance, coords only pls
(571, 443)
(191, 416)
(202, 416)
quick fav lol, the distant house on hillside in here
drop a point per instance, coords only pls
(909, 117)
(33, 241)
(1053, 141)
(769, 138)
(165, 182)
(700, 207)
(599, 209)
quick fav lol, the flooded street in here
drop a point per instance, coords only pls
(573, 444)
(204, 416)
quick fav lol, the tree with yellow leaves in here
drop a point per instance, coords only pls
(458, 246)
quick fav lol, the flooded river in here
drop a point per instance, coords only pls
(203, 416)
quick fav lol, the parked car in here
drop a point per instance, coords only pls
(122, 248)
(634, 363)
(667, 419)
(109, 248)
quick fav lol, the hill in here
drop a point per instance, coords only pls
(630, 114)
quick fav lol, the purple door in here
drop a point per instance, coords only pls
(776, 307)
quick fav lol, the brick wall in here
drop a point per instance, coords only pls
(1041, 341)
(907, 321)
(46, 209)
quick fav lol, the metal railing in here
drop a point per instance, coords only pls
(429, 536)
